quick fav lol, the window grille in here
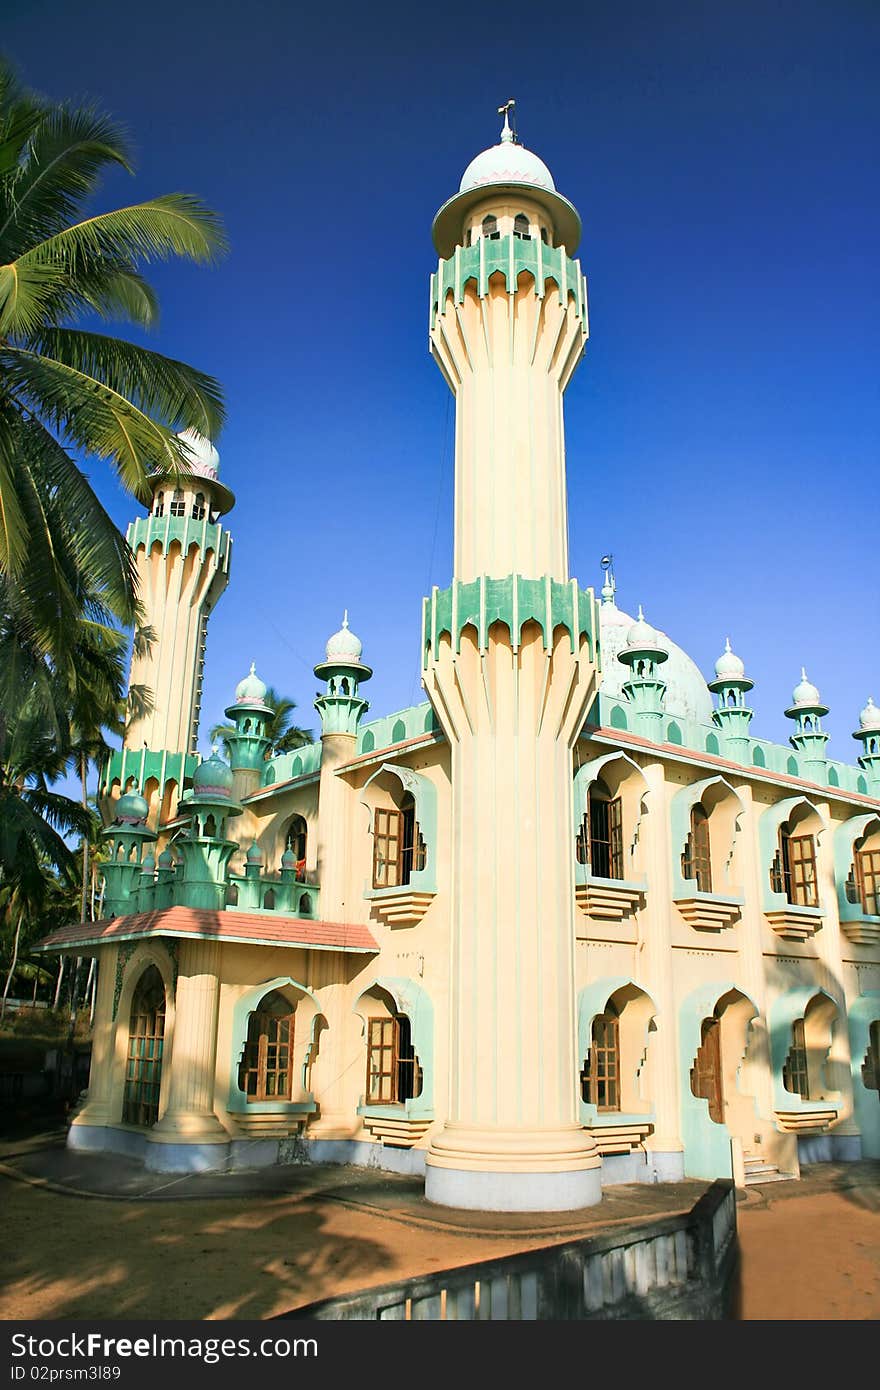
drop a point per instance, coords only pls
(143, 1070)
(696, 861)
(393, 1072)
(266, 1071)
(601, 1075)
(795, 1077)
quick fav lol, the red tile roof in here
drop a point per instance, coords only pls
(262, 928)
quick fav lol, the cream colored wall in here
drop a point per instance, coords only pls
(505, 210)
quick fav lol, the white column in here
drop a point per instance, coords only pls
(189, 1114)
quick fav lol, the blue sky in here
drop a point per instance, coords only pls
(722, 430)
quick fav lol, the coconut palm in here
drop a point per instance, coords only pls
(282, 733)
(65, 388)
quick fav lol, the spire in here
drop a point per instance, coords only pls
(345, 619)
(609, 588)
(508, 136)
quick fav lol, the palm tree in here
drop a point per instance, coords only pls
(282, 733)
(65, 387)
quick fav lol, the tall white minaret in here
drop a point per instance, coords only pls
(182, 553)
(510, 669)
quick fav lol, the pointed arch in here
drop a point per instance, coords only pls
(413, 1002)
(786, 1010)
(616, 769)
(424, 799)
(863, 1011)
(792, 810)
(706, 1142)
(725, 810)
(308, 1018)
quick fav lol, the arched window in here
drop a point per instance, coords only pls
(467, 239)
(269, 900)
(600, 838)
(793, 871)
(296, 841)
(600, 1079)
(544, 236)
(393, 1071)
(706, 1071)
(398, 847)
(795, 1073)
(159, 504)
(696, 859)
(210, 827)
(266, 1070)
(521, 227)
(178, 506)
(198, 509)
(146, 1033)
(490, 228)
(867, 867)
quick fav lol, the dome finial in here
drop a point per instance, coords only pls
(345, 619)
(803, 673)
(508, 136)
(641, 614)
(609, 588)
(727, 646)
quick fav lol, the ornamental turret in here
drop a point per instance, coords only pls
(204, 848)
(809, 738)
(868, 735)
(129, 839)
(732, 716)
(645, 687)
(341, 706)
(182, 556)
(249, 743)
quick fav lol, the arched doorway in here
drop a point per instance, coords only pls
(266, 1069)
(146, 1036)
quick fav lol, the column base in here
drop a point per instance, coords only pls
(513, 1170)
(188, 1127)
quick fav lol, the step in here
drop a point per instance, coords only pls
(765, 1175)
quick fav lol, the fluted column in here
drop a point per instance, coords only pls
(189, 1114)
(101, 1108)
(512, 1140)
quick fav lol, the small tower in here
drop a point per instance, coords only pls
(733, 716)
(645, 688)
(204, 849)
(340, 707)
(128, 837)
(809, 738)
(868, 734)
(247, 746)
(182, 555)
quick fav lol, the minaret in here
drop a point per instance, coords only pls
(182, 555)
(868, 735)
(733, 716)
(510, 670)
(809, 738)
(341, 708)
(247, 746)
(645, 687)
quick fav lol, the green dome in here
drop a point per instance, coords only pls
(166, 859)
(212, 777)
(131, 809)
(254, 856)
(251, 690)
(288, 859)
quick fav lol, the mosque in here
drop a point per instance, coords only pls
(567, 923)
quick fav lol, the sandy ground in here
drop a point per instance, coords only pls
(807, 1253)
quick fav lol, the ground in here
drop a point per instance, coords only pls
(257, 1244)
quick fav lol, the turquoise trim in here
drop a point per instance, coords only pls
(683, 803)
(593, 1000)
(706, 1144)
(144, 764)
(410, 999)
(768, 841)
(783, 1013)
(863, 1011)
(845, 836)
(150, 530)
(424, 794)
(300, 762)
(513, 601)
(237, 1101)
(509, 256)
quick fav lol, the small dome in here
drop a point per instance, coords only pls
(254, 855)
(288, 859)
(642, 635)
(212, 777)
(251, 690)
(805, 693)
(131, 809)
(343, 646)
(507, 163)
(203, 457)
(729, 664)
(869, 717)
(148, 864)
(166, 859)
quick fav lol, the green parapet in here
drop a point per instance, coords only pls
(513, 601)
(144, 764)
(151, 530)
(510, 256)
(248, 745)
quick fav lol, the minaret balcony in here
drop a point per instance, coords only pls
(509, 256)
(709, 911)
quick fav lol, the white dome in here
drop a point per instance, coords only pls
(507, 163)
(251, 691)
(203, 457)
(805, 693)
(729, 664)
(642, 634)
(870, 716)
(687, 696)
(344, 645)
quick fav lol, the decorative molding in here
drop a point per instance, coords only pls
(795, 923)
(709, 911)
(608, 898)
(400, 907)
